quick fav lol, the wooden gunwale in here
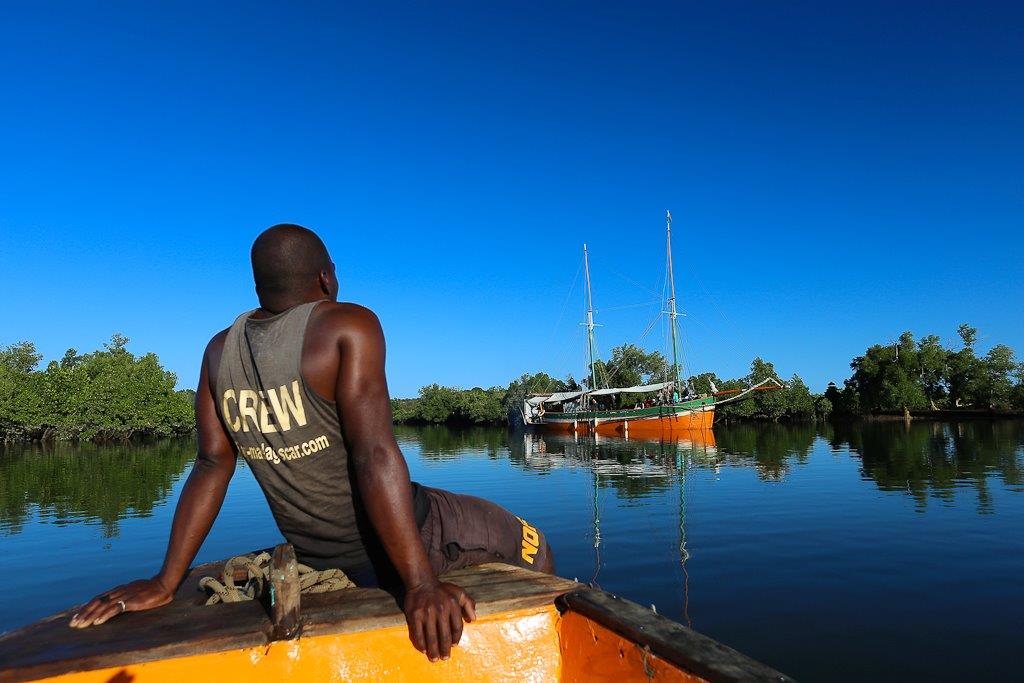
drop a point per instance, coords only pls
(186, 628)
(683, 647)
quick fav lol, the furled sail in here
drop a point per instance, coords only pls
(642, 389)
(558, 397)
(563, 396)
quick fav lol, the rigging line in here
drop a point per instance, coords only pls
(650, 326)
(668, 321)
(665, 336)
(736, 350)
(562, 353)
(561, 315)
(647, 330)
(621, 308)
(609, 375)
(630, 280)
(721, 312)
(563, 358)
(684, 362)
(778, 384)
(567, 360)
(565, 302)
(695, 366)
(665, 332)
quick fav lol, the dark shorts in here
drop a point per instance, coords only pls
(461, 531)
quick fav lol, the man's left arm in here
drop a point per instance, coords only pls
(434, 610)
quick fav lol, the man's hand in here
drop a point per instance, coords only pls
(435, 612)
(198, 505)
(131, 597)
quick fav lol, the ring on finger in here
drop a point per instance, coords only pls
(123, 606)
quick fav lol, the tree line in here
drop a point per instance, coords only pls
(113, 394)
(629, 366)
(103, 395)
(924, 375)
(906, 375)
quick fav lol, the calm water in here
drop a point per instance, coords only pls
(839, 552)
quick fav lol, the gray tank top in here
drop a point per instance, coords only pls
(291, 438)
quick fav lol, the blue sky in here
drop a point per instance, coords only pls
(838, 173)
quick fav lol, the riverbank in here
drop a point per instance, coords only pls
(49, 434)
(948, 415)
(11, 434)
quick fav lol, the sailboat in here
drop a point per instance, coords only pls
(667, 409)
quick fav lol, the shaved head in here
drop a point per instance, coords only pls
(290, 265)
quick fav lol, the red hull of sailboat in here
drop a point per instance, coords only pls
(661, 426)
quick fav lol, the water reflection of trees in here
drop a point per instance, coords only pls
(73, 482)
(925, 459)
(933, 459)
(771, 449)
(440, 442)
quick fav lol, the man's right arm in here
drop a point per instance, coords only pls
(197, 508)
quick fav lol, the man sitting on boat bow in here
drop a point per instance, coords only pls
(297, 388)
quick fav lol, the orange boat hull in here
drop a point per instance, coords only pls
(658, 427)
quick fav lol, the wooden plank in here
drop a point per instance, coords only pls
(284, 595)
(51, 647)
(187, 627)
(673, 642)
(482, 583)
(330, 613)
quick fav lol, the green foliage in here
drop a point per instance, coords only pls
(999, 370)
(21, 389)
(403, 410)
(538, 383)
(448, 405)
(706, 383)
(792, 402)
(889, 376)
(968, 334)
(770, 404)
(908, 374)
(483, 406)
(630, 366)
(798, 399)
(103, 394)
(931, 358)
(822, 407)
(437, 403)
(914, 376)
(20, 358)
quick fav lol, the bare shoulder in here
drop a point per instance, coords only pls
(214, 349)
(346, 320)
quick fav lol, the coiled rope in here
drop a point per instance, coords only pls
(257, 575)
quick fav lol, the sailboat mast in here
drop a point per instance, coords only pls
(672, 299)
(590, 321)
